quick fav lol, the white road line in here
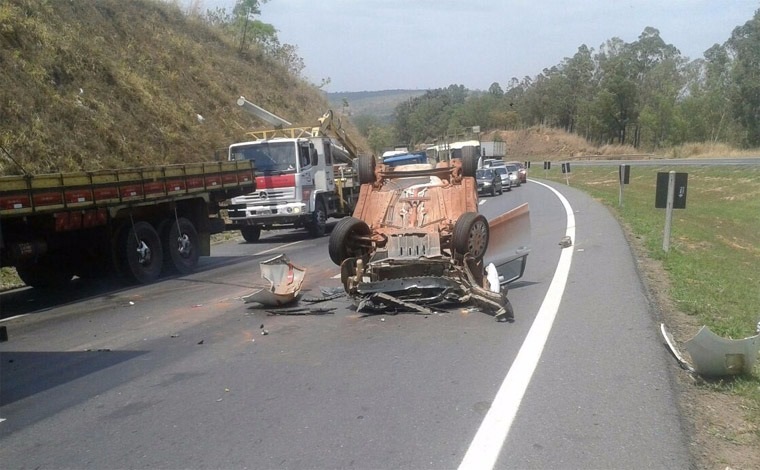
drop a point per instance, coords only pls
(493, 431)
(13, 317)
(2, 419)
(278, 247)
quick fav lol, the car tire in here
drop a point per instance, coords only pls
(469, 160)
(470, 235)
(344, 240)
(366, 169)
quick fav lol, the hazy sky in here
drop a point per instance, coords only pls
(368, 45)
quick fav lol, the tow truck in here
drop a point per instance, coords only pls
(304, 175)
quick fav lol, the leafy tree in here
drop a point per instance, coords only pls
(617, 99)
(745, 46)
(496, 90)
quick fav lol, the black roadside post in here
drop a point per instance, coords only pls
(670, 194)
(547, 167)
(566, 172)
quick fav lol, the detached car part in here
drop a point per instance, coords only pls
(285, 280)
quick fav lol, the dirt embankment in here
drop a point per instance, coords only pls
(542, 143)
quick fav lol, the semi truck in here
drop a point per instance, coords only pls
(139, 222)
(304, 175)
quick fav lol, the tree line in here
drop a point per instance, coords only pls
(643, 93)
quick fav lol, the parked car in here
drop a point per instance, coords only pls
(514, 174)
(506, 181)
(488, 182)
(522, 172)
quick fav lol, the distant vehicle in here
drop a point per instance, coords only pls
(489, 162)
(405, 159)
(506, 181)
(522, 172)
(488, 182)
(514, 174)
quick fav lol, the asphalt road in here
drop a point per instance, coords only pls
(178, 374)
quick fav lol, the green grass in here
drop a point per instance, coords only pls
(714, 259)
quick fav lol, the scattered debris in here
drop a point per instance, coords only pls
(381, 302)
(566, 242)
(301, 311)
(673, 349)
(714, 356)
(131, 303)
(328, 293)
(200, 342)
(285, 281)
(175, 335)
(264, 332)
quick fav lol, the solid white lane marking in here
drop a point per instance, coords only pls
(486, 446)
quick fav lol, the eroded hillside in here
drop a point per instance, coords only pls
(113, 84)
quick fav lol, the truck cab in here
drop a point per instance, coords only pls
(296, 185)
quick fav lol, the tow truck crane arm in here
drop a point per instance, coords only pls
(327, 124)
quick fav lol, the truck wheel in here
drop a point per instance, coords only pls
(470, 235)
(317, 225)
(251, 233)
(366, 169)
(469, 160)
(180, 241)
(141, 254)
(45, 273)
(344, 240)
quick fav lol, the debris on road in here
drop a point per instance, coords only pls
(566, 242)
(285, 280)
(328, 293)
(714, 356)
(301, 311)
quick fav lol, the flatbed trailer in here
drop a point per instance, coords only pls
(138, 223)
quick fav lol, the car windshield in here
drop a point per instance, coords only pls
(268, 157)
(511, 168)
(484, 174)
(500, 170)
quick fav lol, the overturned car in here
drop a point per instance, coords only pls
(416, 240)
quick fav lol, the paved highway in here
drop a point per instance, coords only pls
(178, 374)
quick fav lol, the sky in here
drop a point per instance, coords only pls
(372, 45)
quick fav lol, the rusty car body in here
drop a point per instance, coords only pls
(416, 239)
